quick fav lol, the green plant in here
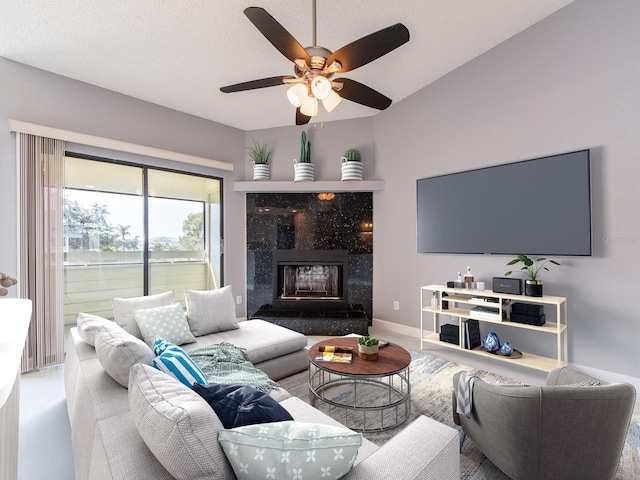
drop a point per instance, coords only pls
(351, 155)
(532, 268)
(305, 148)
(367, 341)
(259, 154)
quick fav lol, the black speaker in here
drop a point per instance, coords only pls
(507, 285)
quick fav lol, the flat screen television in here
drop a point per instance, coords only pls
(532, 207)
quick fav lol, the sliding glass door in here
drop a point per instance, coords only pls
(132, 230)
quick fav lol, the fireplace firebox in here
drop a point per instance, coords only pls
(310, 279)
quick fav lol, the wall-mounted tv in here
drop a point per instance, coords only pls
(532, 207)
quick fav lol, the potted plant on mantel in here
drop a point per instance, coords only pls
(351, 165)
(368, 348)
(260, 157)
(533, 284)
(304, 170)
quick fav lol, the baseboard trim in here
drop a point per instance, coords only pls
(396, 328)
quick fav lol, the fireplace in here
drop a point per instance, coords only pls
(310, 279)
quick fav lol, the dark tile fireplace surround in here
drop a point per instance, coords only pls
(310, 261)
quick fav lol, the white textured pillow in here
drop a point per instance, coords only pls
(123, 309)
(210, 311)
(290, 450)
(167, 322)
(118, 351)
(178, 425)
(88, 325)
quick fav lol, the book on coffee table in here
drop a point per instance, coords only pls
(330, 353)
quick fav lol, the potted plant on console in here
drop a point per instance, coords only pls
(351, 165)
(368, 348)
(303, 169)
(260, 157)
(532, 268)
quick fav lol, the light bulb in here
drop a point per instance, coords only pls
(331, 101)
(296, 94)
(309, 107)
(321, 87)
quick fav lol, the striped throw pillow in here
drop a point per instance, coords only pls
(173, 360)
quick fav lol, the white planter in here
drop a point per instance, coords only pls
(303, 172)
(261, 171)
(351, 171)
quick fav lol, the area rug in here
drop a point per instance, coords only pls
(431, 385)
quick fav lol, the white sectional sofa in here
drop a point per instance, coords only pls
(107, 443)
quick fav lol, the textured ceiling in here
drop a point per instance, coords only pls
(178, 53)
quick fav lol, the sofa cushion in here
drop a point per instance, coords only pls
(168, 322)
(118, 351)
(123, 309)
(177, 425)
(240, 405)
(210, 311)
(173, 360)
(88, 325)
(290, 450)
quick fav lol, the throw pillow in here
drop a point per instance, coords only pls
(118, 351)
(177, 425)
(173, 360)
(168, 322)
(240, 405)
(290, 450)
(88, 325)
(123, 309)
(210, 311)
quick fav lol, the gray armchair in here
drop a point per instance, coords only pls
(558, 431)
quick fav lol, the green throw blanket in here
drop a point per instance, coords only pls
(224, 363)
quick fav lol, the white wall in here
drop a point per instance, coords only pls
(567, 83)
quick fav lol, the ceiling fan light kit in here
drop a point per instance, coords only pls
(314, 66)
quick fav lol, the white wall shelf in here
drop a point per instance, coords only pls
(313, 187)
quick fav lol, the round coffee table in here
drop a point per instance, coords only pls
(369, 395)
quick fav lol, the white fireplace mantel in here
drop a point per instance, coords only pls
(308, 187)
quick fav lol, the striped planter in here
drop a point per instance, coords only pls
(303, 172)
(261, 171)
(351, 171)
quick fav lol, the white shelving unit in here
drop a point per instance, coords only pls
(461, 301)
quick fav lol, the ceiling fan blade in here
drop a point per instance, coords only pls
(371, 47)
(301, 118)
(359, 93)
(253, 84)
(276, 34)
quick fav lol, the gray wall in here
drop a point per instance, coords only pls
(567, 83)
(39, 97)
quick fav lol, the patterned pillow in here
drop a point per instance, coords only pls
(123, 309)
(118, 351)
(176, 362)
(168, 322)
(177, 425)
(210, 311)
(290, 450)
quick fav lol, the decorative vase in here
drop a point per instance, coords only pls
(261, 171)
(367, 352)
(491, 342)
(506, 349)
(351, 170)
(303, 172)
(533, 288)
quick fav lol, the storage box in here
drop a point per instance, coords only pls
(450, 329)
(449, 338)
(537, 320)
(527, 309)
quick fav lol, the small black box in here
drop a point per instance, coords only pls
(449, 329)
(527, 309)
(449, 338)
(451, 284)
(507, 285)
(537, 320)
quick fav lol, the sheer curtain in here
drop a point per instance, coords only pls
(40, 246)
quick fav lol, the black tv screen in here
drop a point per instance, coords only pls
(533, 207)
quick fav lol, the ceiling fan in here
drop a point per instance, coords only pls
(315, 66)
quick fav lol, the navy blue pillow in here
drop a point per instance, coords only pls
(240, 405)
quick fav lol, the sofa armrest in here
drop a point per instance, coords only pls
(424, 450)
(569, 376)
